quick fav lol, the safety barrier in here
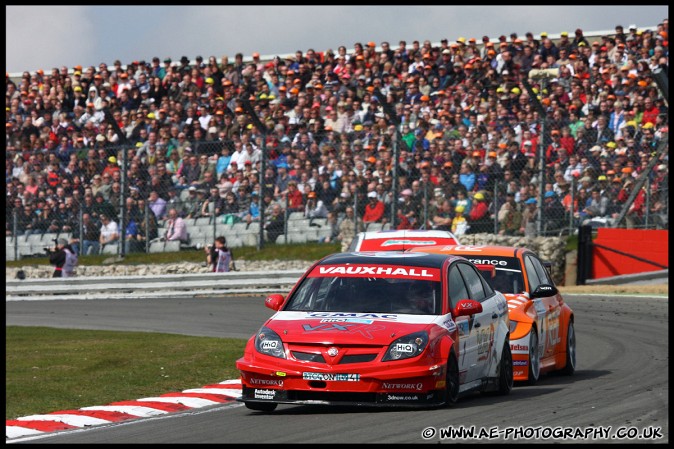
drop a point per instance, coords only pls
(162, 286)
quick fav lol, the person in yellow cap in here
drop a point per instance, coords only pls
(111, 167)
(479, 215)
(459, 223)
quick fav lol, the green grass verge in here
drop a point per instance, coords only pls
(48, 370)
(306, 251)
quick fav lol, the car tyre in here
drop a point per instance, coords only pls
(505, 376)
(452, 382)
(261, 406)
(534, 358)
(570, 366)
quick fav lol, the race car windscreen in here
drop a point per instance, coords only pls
(506, 276)
(369, 289)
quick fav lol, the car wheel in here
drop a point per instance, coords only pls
(261, 406)
(534, 358)
(505, 376)
(570, 366)
(452, 382)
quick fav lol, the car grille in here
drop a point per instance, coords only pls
(318, 358)
(332, 397)
(357, 358)
(308, 357)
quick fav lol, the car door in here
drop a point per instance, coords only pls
(548, 324)
(456, 291)
(485, 323)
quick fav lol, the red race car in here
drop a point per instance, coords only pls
(542, 336)
(380, 328)
(401, 240)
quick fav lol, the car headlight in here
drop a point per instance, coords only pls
(268, 342)
(408, 346)
(513, 326)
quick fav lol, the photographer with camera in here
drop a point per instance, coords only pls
(63, 257)
(219, 257)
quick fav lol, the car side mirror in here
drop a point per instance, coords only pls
(274, 301)
(544, 290)
(466, 307)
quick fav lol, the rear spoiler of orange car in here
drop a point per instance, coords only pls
(488, 271)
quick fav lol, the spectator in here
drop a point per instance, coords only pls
(109, 232)
(64, 259)
(374, 210)
(347, 228)
(315, 207)
(459, 222)
(218, 257)
(294, 197)
(529, 218)
(553, 213)
(509, 217)
(133, 236)
(275, 224)
(443, 217)
(334, 229)
(175, 227)
(157, 205)
(90, 236)
(478, 218)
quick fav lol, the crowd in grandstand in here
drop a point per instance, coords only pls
(471, 137)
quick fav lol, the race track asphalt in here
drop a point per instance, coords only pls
(622, 381)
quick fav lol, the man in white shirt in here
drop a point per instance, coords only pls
(109, 231)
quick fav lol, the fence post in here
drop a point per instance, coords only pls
(425, 205)
(584, 264)
(15, 229)
(496, 206)
(285, 222)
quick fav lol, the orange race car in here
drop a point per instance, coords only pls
(542, 336)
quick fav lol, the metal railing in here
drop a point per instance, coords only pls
(138, 287)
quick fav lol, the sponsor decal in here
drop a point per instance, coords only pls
(519, 349)
(520, 362)
(501, 304)
(363, 329)
(269, 344)
(494, 262)
(539, 306)
(334, 377)
(475, 248)
(552, 329)
(449, 324)
(412, 386)
(265, 394)
(464, 328)
(382, 271)
(485, 341)
(280, 374)
(409, 242)
(400, 397)
(351, 316)
(518, 372)
(346, 320)
(276, 382)
(405, 347)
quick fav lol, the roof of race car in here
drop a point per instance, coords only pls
(394, 233)
(388, 257)
(474, 250)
